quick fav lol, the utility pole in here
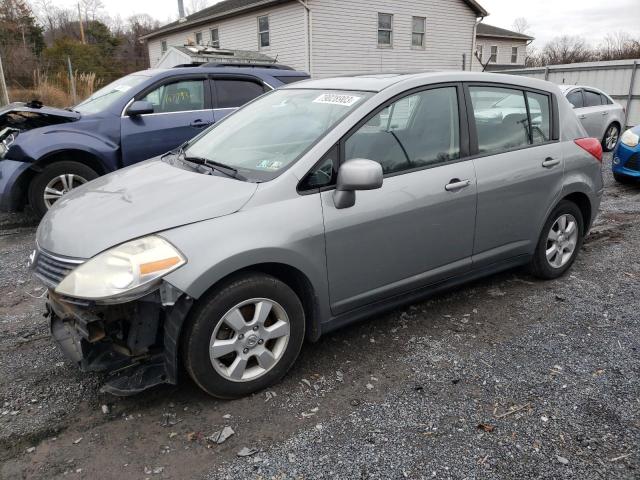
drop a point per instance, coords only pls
(72, 82)
(81, 25)
(4, 94)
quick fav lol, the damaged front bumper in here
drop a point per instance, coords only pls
(136, 342)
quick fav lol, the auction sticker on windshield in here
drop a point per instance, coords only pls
(337, 99)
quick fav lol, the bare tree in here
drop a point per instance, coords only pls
(196, 5)
(619, 46)
(521, 25)
(566, 49)
(91, 9)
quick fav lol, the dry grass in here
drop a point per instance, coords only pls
(56, 91)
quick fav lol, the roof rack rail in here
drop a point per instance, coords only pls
(275, 66)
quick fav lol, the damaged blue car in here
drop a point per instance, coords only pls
(46, 152)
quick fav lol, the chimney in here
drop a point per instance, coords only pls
(181, 9)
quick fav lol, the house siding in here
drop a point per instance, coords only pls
(344, 39)
(286, 27)
(504, 51)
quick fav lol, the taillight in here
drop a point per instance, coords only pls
(591, 145)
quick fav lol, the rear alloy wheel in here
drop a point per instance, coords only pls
(244, 336)
(560, 241)
(55, 181)
(610, 139)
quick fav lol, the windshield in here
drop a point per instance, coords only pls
(109, 94)
(269, 134)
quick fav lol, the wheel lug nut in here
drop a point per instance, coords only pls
(260, 342)
(241, 336)
(255, 328)
(246, 350)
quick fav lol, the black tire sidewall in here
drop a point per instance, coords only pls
(541, 267)
(209, 311)
(39, 183)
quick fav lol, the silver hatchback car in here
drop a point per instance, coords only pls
(313, 206)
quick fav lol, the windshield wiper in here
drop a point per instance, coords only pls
(221, 167)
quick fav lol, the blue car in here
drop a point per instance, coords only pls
(45, 152)
(626, 157)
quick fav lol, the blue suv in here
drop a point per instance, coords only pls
(45, 152)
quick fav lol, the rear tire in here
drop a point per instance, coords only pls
(611, 136)
(558, 245)
(228, 351)
(55, 177)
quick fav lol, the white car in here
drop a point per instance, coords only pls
(601, 117)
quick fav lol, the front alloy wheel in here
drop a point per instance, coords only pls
(243, 336)
(58, 186)
(611, 138)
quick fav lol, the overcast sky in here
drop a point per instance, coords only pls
(592, 19)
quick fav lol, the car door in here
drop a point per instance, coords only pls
(594, 115)
(519, 168)
(231, 92)
(182, 109)
(417, 228)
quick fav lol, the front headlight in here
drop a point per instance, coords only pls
(630, 139)
(128, 270)
(7, 137)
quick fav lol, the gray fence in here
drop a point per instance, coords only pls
(618, 78)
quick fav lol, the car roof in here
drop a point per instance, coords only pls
(564, 88)
(271, 72)
(376, 82)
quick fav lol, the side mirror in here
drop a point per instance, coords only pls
(353, 175)
(140, 107)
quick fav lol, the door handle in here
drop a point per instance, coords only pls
(582, 117)
(605, 113)
(550, 162)
(456, 184)
(199, 124)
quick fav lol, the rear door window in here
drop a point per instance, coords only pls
(575, 99)
(234, 93)
(181, 96)
(591, 99)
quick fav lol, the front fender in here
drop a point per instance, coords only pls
(34, 145)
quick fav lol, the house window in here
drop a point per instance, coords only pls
(385, 29)
(198, 38)
(494, 54)
(514, 54)
(263, 31)
(417, 34)
(215, 39)
(163, 46)
(479, 52)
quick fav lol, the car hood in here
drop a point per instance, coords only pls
(25, 116)
(146, 198)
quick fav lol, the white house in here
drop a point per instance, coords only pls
(335, 37)
(499, 49)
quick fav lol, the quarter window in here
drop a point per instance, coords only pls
(198, 38)
(540, 112)
(494, 54)
(514, 54)
(235, 93)
(215, 38)
(264, 39)
(385, 29)
(575, 99)
(417, 131)
(177, 97)
(417, 34)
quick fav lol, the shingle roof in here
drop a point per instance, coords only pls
(485, 30)
(228, 8)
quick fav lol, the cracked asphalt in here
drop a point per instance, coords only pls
(507, 377)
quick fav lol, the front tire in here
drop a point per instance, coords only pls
(244, 336)
(559, 242)
(610, 139)
(55, 181)
(623, 179)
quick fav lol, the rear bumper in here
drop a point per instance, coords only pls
(11, 192)
(136, 343)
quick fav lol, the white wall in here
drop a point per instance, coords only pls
(345, 36)
(504, 51)
(287, 35)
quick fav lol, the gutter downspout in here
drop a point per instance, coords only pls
(308, 34)
(473, 43)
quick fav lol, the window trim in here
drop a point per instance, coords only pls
(195, 37)
(163, 47)
(423, 45)
(473, 134)
(514, 57)
(491, 58)
(378, 30)
(211, 29)
(260, 32)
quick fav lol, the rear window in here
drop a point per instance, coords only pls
(292, 79)
(575, 99)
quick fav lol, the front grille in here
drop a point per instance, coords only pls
(51, 269)
(633, 163)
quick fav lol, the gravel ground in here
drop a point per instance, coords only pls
(507, 377)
